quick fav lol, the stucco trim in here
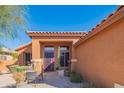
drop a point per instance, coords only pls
(73, 60)
(112, 18)
(24, 46)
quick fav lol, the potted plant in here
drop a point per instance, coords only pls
(61, 72)
(59, 69)
(67, 72)
(75, 77)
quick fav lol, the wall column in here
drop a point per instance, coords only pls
(56, 56)
(37, 62)
(73, 60)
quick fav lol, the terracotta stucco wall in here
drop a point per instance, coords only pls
(21, 52)
(101, 57)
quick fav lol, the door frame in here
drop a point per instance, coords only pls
(24, 56)
(53, 64)
(67, 51)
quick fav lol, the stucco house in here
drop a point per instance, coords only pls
(48, 47)
(97, 55)
(5, 54)
(6, 59)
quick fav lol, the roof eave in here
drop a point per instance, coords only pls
(119, 13)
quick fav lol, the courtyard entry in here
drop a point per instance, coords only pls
(54, 54)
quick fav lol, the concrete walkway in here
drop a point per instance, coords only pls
(52, 80)
(6, 81)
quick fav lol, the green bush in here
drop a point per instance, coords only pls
(14, 55)
(75, 77)
(17, 68)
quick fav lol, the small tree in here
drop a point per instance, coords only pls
(0, 49)
(12, 18)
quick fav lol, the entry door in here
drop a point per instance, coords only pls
(48, 58)
(64, 56)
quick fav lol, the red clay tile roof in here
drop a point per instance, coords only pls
(66, 34)
(21, 47)
(99, 27)
(77, 34)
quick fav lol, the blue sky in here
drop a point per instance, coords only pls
(61, 18)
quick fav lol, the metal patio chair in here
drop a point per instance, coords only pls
(31, 77)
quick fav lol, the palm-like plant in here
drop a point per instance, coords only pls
(12, 18)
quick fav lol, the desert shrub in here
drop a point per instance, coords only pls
(17, 68)
(18, 73)
(14, 55)
(75, 77)
(19, 77)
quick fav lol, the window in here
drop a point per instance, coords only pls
(49, 52)
(3, 57)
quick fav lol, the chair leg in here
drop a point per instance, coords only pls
(42, 76)
(35, 80)
(28, 81)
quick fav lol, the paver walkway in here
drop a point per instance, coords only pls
(52, 80)
(6, 80)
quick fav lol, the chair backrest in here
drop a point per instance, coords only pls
(31, 75)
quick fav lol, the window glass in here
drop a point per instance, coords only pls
(49, 52)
